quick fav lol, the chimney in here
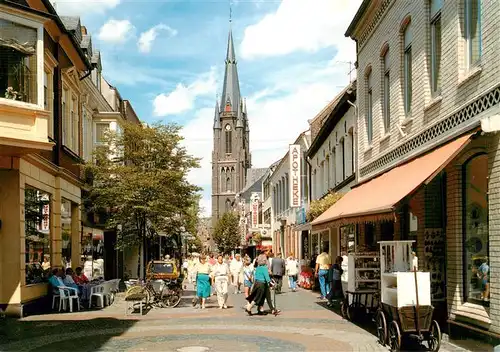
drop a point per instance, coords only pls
(84, 30)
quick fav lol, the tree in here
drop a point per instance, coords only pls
(139, 180)
(226, 233)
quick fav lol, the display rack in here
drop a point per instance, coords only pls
(398, 278)
(364, 271)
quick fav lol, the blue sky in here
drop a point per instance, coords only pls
(167, 58)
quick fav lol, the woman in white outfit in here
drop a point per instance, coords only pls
(220, 273)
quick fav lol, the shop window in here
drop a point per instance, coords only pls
(387, 231)
(370, 238)
(347, 244)
(18, 62)
(66, 233)
(476, 236)
(37, 235)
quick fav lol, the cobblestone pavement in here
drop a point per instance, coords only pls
(304, 325)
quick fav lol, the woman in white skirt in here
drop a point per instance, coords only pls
(220, 273)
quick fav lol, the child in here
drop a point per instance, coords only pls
(335, 275)
(248, 276)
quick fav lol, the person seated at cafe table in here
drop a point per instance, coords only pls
(56, 280)
(68, 279)
(79, 277)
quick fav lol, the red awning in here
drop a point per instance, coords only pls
(378, 197)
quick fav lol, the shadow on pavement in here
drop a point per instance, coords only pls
(60, 335)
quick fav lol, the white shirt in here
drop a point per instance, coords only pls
(292, 267)
(236, 266)
(220, 270)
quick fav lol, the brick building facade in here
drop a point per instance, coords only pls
(428, 101)
(427, 75)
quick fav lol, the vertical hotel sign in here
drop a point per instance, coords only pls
(255, 211)
(295, 173)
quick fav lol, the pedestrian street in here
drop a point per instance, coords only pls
(305, 324)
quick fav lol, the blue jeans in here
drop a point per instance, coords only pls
(292, 280)
(323, 284)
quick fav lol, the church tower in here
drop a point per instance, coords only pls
(231, 150)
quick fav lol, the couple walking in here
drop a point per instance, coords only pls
(261, 290)
(218, 274)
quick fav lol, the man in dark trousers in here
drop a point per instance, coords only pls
(278, 270)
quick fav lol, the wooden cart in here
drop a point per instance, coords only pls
(405, 312)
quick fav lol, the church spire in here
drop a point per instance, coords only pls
(216, 116)
(230, 99)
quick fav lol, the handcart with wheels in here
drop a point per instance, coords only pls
(405, 313)
(358, 303)
(363, 285)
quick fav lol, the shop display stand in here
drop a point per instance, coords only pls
(364, 269)
(398, 278)
(434, 262)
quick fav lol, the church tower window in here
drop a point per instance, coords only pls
(228, 137)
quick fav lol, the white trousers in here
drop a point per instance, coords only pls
(191, 276)
(236, 278)
(221, 283)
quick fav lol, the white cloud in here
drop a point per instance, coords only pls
(183, 97)
(147, 38)
(299, 26)
(79, 7)
(116, 31)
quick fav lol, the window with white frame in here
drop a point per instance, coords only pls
(333, 170)
(48, 101)
(342, 147)
(86, 134)
(351, 143)
(369, 108)
(473, 31)
(407, 68)
(326, 181)
(64, 117)
(75, 123)
(18, 62)
(386, 92)
(46, 91)
(435, 24)
(100, 132)
(314, 184)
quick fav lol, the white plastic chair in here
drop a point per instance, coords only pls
(66, 295)
(98, 292)
(108, 285)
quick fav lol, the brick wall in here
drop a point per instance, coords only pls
(458, 85)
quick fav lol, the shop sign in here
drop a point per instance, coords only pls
(44, 225)
(294, 155)
(255, 211)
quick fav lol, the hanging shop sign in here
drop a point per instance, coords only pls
(295, 184)
(255, 211)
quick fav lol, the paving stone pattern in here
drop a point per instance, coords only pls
(304, 325)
